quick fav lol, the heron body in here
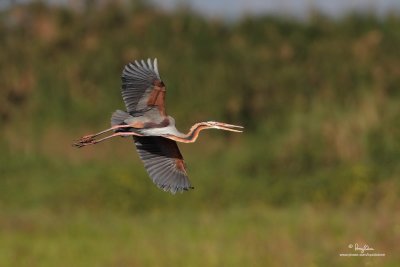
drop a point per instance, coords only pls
(153, 131)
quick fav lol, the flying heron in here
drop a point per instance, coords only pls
(153, 131)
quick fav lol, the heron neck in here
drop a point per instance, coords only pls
(189, 137)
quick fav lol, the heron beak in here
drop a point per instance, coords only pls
(229, 127)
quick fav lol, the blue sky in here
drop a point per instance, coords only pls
(232, 9)
(296, 8)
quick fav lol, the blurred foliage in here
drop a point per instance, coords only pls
(320, 101)
(255, 236)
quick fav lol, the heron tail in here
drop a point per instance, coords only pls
(118, 117)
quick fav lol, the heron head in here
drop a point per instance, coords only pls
(224, 126)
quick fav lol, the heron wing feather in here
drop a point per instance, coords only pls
(163, 162)
(142, 88)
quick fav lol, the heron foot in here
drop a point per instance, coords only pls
(84, 141)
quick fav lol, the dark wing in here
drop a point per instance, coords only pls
(142, 88)
(163, 162)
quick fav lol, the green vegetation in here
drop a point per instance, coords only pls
(256, 236)
(316, 168)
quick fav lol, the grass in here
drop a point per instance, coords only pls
(237, 236)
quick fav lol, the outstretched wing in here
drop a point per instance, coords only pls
(163, 162)
(142, 88)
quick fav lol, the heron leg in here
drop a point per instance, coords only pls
(116, 127)
(89, 137)
(92, 141)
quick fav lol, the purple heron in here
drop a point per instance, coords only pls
(153, 131)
